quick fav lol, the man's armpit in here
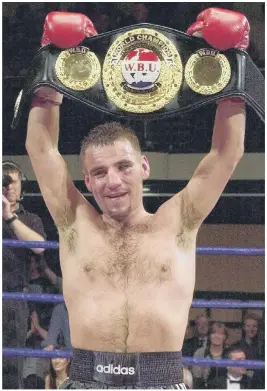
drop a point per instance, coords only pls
(191, 216)
(67, 232)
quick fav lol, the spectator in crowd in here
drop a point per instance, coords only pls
(17, 223)
(34, 368)
(42, 280)
(58, 372)
(216, 349)
(249, 340)
(235, 377)
(59, 329)
(190, 330)
(41, 274)
(252, 342)
(200, 339)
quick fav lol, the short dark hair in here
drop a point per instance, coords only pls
(235, 349)
(107, 134)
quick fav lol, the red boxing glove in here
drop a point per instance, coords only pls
(222, 29)
(66, 29)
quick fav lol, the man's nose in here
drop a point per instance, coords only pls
(113, 179)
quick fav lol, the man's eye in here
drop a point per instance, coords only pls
(99, 173)
(124, 166)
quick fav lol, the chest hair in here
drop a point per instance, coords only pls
(126, 249)
(131, 255)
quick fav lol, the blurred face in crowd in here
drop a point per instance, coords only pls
(189, 332)
(13, 191)
(251, 328)
(236, 371)
(60, 364)
(202, 326)
(218, 336)
(34, 268)
(115, 177)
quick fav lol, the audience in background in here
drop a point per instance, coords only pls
(17, 223)
(42, 280)
(235, 377)
(34, 367)
(59, 329)
(249, 340)
(200, 338)
(253, 343)
(54, 281)
(58, 372)
(216, 349)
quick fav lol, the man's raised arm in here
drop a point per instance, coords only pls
(223, 29)
(216, 168)
(60, 194)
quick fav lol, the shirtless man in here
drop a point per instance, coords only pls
(128, 276)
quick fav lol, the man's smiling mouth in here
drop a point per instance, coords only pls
(112, 196)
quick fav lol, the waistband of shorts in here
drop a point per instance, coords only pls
(145, 369)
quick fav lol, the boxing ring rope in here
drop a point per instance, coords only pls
(199, 303)
(200, 250)
(39, 297)
(11, 352)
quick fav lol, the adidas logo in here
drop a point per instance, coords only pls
(115, 370)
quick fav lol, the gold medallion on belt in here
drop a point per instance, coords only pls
(207, 71)
(142, 71)
(78, 68)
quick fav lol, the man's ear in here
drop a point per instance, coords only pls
(145, 167)
(87, 182)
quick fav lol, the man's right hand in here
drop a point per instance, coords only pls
(67, 29)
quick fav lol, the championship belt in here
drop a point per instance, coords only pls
(144, 71)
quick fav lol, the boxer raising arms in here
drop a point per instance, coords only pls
(128, 276)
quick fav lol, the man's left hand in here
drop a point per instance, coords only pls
(6, 209)
(221, 28)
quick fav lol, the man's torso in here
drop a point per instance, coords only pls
(128, 290)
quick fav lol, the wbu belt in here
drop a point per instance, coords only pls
(145, 71)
